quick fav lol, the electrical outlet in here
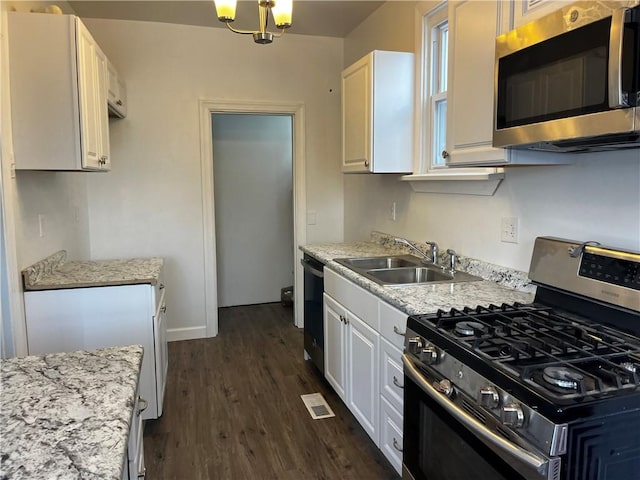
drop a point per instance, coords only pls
(392, 211)
(509, 230)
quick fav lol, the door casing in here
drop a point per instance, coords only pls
(296, 110)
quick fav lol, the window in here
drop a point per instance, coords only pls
(439, 36)
(431, 173)
(435, 45)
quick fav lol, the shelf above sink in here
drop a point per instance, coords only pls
(403, 270)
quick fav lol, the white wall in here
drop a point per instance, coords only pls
(151, 201)
(597, 198)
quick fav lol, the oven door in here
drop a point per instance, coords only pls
(443, 442)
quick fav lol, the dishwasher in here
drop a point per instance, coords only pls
(313, 312)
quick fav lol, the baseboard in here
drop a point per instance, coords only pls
(187, 333)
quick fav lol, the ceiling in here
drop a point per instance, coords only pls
(325, 18)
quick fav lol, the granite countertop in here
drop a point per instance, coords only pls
(67, 415)
(500, 285)
(54, 272)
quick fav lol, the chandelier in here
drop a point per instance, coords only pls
(281, 11)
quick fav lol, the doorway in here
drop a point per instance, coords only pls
(297, 113)
(253, 203)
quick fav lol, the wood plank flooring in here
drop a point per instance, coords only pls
(233, 410)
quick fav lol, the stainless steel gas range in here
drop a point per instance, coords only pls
(548, 390)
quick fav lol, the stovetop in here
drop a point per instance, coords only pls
(564, 359)
(577, 347)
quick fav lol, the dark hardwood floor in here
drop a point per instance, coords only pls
(233, 409)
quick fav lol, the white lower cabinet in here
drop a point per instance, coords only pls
(71, 319)
(351, 359)
(135, 450)
(391, 434)
(335, 366)
(133, 466)
(362, 374)
(363, 360)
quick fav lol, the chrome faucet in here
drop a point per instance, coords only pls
(453, 259)
(423, 254)
(434, 252)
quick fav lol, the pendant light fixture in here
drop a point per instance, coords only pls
(281, 11)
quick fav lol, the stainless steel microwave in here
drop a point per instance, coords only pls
(570, 81)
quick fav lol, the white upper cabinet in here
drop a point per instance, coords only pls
(377, 114)
(116, 93)
(473, 28)
(472, 31)
(58, 76)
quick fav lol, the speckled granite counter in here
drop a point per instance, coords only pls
(54, 272)
(501, 285)
(67, 415)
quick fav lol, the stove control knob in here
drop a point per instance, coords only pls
(489, 397)
(429, 355)
(512, 415)
(444, 386)
(414, 345)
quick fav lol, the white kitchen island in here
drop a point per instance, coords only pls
(71, 415)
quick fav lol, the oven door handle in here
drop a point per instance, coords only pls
(314, 271)
(536, 466)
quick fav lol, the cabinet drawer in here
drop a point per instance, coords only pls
(391, 374)
(360, 302)
(393, 324)
(391, 434)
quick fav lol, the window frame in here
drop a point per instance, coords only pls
(434, 89)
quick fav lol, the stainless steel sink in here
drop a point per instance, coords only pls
(369, 263)
(398, 270)
(405, 275)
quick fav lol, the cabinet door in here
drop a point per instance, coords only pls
(162, 357)
(113, 93)
(88, 93)
(135, 449)
(473, 27)
(116, 92)
(334, 345)
(356, 117)
(102, 114)
(363, 394)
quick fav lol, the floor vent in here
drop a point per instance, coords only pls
(317, 406)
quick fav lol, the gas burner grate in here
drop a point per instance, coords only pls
(523, 340)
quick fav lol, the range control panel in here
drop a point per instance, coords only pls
(616, 269)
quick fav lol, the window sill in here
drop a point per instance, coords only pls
(464, 183)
